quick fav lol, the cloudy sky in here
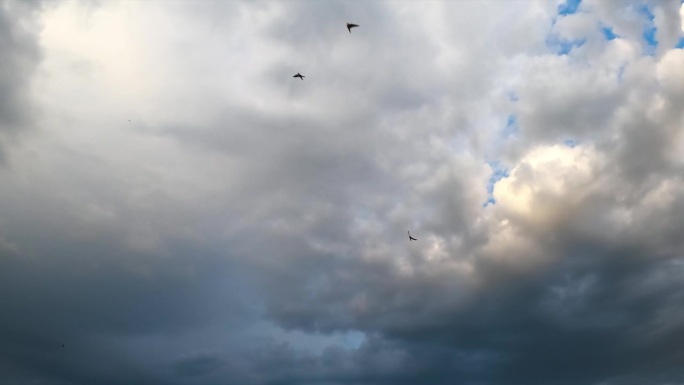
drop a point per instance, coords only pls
(176, 208)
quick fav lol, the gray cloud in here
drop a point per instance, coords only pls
(246, 227)
(18, 41)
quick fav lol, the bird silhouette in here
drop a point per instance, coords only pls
(411, 238)
(350, 26)
(299, 76)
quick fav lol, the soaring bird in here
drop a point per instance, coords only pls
(350, 26)
(299, 76)
(410, 237)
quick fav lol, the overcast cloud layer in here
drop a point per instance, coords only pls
(176, 208)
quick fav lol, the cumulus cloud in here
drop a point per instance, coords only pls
(181, 210)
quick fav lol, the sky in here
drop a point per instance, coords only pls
(176, 208)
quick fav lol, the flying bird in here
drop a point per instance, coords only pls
(299, 76)
(410, 237)
(350, 26)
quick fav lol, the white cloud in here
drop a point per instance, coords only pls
(547, 179)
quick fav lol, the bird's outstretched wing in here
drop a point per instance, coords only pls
(350, 26)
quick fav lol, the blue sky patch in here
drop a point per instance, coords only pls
(570, 143)
(649, 33)
(498, 172)
(680, 43)
(562, 46)
(649, 36)
(511, 127)
(608, 33)
(569, 7)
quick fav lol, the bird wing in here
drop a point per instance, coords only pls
(350, 26)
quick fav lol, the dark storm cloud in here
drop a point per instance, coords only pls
(198, 364)
(79, 297)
